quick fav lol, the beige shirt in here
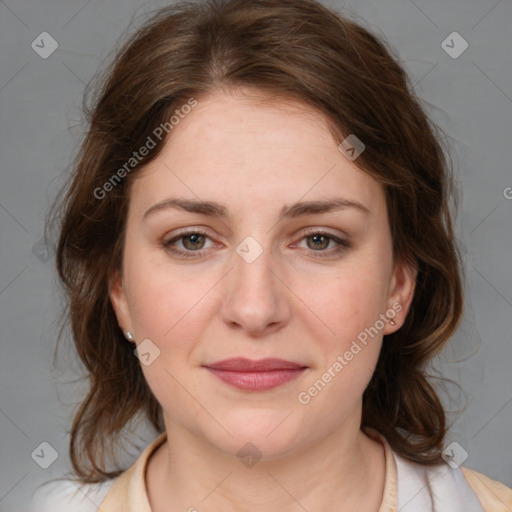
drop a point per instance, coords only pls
(408, 487)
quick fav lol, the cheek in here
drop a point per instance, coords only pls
(335, 392)
(166, 299)
(350, 307)
(172, 310)
(347, 302)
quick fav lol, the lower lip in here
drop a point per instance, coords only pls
(257, 381)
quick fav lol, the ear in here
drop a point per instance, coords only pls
(401, 294)
(120, 303)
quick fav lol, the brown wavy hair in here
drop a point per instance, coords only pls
(295, 49)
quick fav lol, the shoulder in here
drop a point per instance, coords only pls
(454, 488)
(493, 495)
(128, 491)
(65, 495)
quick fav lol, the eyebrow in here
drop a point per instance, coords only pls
(214, 209)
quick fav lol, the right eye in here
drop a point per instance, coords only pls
(192, 242)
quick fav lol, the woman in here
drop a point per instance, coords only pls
(259, 255)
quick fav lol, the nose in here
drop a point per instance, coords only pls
(255, 298)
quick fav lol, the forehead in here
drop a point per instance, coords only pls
(236, 147)
(230, 125)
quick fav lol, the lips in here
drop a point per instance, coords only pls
(241, 364)
(256, 375)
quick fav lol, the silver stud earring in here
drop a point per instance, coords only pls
(392, 322)
(128, 336)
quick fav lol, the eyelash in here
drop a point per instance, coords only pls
(343, 245)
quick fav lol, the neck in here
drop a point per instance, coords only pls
(343, 472)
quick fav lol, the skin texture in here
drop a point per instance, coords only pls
(255, 158)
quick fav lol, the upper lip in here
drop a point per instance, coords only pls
(241, 364)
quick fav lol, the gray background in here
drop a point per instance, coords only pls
(470, 97)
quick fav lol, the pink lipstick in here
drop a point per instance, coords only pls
(255, 375)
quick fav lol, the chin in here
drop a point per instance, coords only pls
(261, 431)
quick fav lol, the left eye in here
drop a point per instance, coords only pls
(318, 241)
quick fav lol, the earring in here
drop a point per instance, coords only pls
(392, 322)
(128, 336)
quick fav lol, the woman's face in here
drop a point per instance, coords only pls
(253, 275)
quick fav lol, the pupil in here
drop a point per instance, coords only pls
(194, 240)
(317, 241)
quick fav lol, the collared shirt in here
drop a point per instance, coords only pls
(408, 487)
